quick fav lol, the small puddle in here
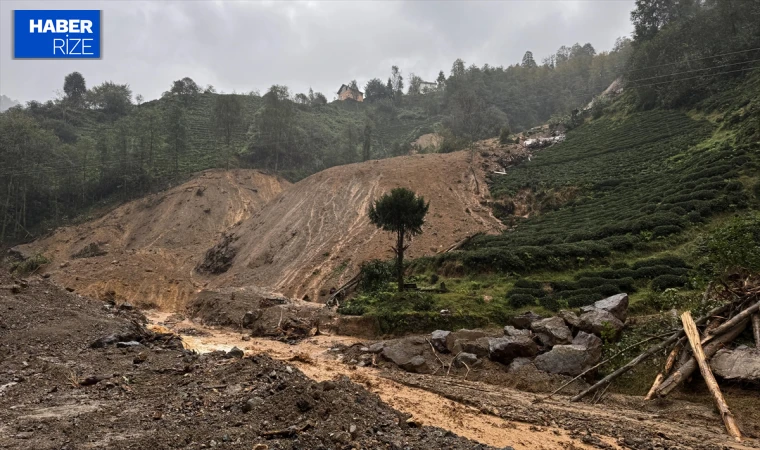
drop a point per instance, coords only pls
(424, 406)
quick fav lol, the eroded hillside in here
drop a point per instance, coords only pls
(316, 234)
(145, 251)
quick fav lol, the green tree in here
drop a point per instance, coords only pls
(528, 62)
(401, 212)
(75, 88)
(186, 89)
(375, 90)
(228, 115)
(441, 80)
(415, 85)
(114, 100)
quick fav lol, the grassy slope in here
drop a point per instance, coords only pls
(649, 185)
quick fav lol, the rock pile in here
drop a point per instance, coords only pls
(566, 344)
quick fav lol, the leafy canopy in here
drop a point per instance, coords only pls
(401, 211)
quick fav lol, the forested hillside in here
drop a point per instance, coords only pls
(102, 145)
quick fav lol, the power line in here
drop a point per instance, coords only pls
(695, 70)
(698, 76)
(695, 59)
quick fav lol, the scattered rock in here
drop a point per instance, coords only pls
(509, 330)
(126, 306)
(570, 318)
(377, 347)
(742, 364)
(505, 349)
(478, 347)
(555, 329)
(465, 358)
(524, 320)
(617, 305)
(235, 353)
(438, 339)
(128, 344)
(519, 363)
(563, 359)
(416, 365)
(598, 321)
(248, 319)
(463, 335)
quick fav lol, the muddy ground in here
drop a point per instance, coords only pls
(58, 392)
(486, 406)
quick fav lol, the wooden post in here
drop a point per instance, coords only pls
(756, 328)
(694, 339)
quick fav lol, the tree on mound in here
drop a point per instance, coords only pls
(401, 212)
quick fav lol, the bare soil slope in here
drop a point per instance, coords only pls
(145, 251)
(316, 234)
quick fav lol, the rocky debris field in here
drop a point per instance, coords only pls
(78, 373)
(531, 346)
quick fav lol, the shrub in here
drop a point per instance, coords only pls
(735, 247)
(668, 281)
(29, 265)
(504, 135)
(520, 300)
(376, 274)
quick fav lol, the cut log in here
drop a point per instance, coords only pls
(651, 351)
(688, 368)
(666, 370)
(730, 324)
(756, 328)
(694, 340)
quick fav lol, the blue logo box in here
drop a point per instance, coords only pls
(56, 34)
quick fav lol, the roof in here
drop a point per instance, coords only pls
(347, 87)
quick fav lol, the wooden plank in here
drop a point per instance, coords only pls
(756, 328)
(690, 328)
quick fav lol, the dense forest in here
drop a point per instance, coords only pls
(95, 146)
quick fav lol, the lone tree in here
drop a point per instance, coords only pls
(401, 212)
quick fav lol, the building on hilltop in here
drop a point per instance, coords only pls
(347, 92)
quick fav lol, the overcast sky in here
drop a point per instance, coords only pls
(246, 46)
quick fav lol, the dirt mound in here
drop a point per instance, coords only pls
(58, 392)
(146, 251)
(315, 235)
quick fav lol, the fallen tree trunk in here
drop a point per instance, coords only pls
(729, 324)
(666, 370)
(651, 351)
(690, 328)
(688, 368)
(756, 328)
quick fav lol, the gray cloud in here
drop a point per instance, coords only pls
(246, 46)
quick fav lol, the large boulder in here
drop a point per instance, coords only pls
(519, 363)
(617, 305)
(462, 335)
(564, 359)
(509, 330)
(741, 364)
(593, 345)
(438, 339)
(554, 329)
(505, 349)
(402, 351)
(523, 321)
(478, 347)
(598, 321)
(416, 365)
